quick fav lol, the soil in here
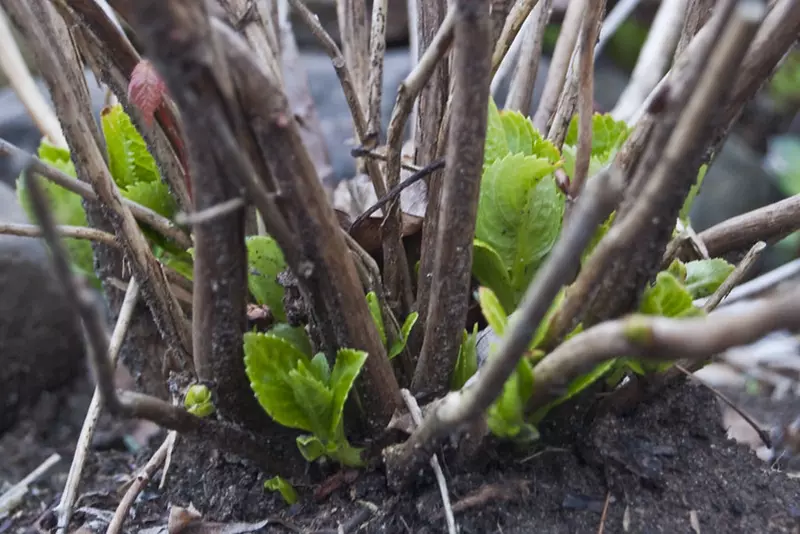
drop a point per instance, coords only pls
(668, 467)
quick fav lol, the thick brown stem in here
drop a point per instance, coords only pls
(452, 270)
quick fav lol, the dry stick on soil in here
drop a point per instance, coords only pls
(520, 91)
(655, 57)
(328, 277)
(144, 215)
(13, 497)
(127, 403)
(427, 148)
(459, 408)
(559, 65)
(656, 173)
(452, 271)
(589, 30)
(47, 35)
(64, 508)
(416, 416)
(19, 78)
(75, 232)
(655, 338)
(735, 277)
(113, 59)
(140, 481)
(762, 434)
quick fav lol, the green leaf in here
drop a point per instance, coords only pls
(268, 362)
(66, 208)
(321, 368)
(510, 132)
(519, 214)
(348, 364)
(506, 416)
(599, 234)
(575, 387)
(153, 195)
(265, 261)
(678, 269)
(607, 135)
(283, 487)
(703, 277)
(687, 204)
(375, 310)
(667, 297)
(489, 270)
(310, 447)
(129, 160)
(496, 145)
(314, 397)
(467, 362)
(198, 401)
(346, 454)
(398, 346)
(296, 335)
(492, 310)
(544, 327)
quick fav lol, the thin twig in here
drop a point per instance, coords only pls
(589, 29)
(452, 270)
(396, 190)
(140, 481)
(361, 152)
(735, 277)
(507, 66)
(21, 81)
(520, 91)
(559, 65)
(209, 214)
(458, 408)
(75, 232)
(601, 528)
(764, 435)
(516, 18)
(770, 223)
(416, 416)
(160, 224)
(377, 53)
(14, 495)
(654, 58)
(615, 18)
(64, 508)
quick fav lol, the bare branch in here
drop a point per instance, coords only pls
(142, 214)
(735, 277)
(589, 30)
(54, 51)
(697, 14)
(377, 52)
(770, 223)
(615, 18)
(354, 32)
(559, 65)
(452, 272)
(520, 91)
(516, 18)
(661, 339)
(654, 58)
(75, 232)
(461, 407)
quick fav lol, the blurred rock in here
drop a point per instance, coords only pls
(41, 344)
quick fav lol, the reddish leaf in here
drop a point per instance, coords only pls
(146, 89)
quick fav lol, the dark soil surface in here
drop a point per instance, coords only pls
(667, 468)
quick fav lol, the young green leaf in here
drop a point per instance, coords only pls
(467, 362)
(506, 416)
(492, 310)
(265, 261)
(314, 397)
(687, 204)
(703, 277)
(678, 269)
(268, 362)
(198, 401)
(575, 387)
(153, 195)
(129, 160)
(348, 364)
(296, 335)
(321, 368)
(375, 310)
(496, 145)
(510, 132)
(490, 271)
(668, 298)
(283, 487)
(607, 135)
(310, 447)
(519, 214)
(398, 346)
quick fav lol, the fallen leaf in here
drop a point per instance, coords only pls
(146, 89)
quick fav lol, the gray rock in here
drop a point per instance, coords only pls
(41, 343)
